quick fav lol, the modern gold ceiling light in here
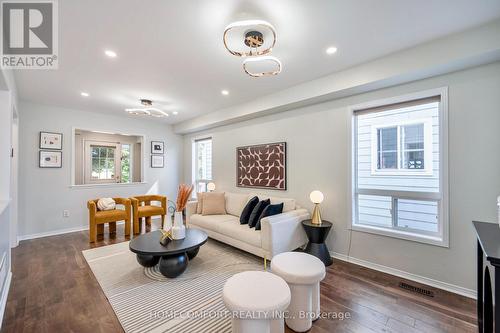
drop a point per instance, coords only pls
(254, 33)
(247, 63)
(253, 37)
(147, 110)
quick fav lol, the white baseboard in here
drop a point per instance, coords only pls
(52, 233)
(406, 275)
(61, 231)
(4, 295)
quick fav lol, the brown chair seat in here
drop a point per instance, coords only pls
(110, 215)
(145, 211)
(97, 218)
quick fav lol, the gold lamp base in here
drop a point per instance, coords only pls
(316, 216)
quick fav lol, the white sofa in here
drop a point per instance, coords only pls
(279, 233)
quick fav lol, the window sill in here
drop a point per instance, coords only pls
(107, 185)
(426, 239)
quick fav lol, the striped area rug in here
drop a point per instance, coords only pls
(146, 301)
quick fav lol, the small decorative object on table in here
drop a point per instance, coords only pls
(184, 193)
(317, 233)
(166, 237)
(316, 198)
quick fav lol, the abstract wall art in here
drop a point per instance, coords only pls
(262, 166)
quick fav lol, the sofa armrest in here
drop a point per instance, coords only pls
(191, 207)
(284, 232)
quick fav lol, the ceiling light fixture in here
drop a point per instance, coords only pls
(224, 92)
(331, 50)
(84, 94)
(254, 60)
(252, 37)
(147, 110)
(175, 113)
(110, 53)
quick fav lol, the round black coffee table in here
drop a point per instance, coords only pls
(317, 233)
(173, 258)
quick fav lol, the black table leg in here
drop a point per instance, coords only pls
(191, 254)
(172, 266)
(479, 287)
(147, 260)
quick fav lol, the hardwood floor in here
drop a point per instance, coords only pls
(53, 290)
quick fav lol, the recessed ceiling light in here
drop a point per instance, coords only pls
(84, 94)
(224, 92)
(175, 113)
(109, 53)
(331, 50)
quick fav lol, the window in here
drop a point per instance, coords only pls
(398, 157)
(202, 163)
(125, 164)
(402, 147)
(106, 158)
(103, 162)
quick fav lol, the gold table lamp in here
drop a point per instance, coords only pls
(316, 198)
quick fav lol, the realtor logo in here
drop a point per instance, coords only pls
(29, 34)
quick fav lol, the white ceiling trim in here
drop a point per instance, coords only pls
(455, 52)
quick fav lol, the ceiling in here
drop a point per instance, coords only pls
(172, 51)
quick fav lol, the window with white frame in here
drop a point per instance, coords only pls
(398, 158)
(202, 163)
(401, 147)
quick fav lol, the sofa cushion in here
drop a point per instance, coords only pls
(269, 211)
(235, 230)
(245, 214)
(288, 203)
(210, 222)
(254, 217)
(235, 202)
(214, 203)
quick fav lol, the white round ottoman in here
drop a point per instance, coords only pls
(302, 272)
(257, 301)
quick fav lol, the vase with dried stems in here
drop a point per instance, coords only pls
(183, 195)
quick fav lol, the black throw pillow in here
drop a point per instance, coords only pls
(245, 214)
(254, 217)
(269, 211)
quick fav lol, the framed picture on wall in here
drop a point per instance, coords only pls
(262, 166)
(157, 147)
(50, 140)
(157, 161)
(50, 159)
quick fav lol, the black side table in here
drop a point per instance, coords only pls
(317, 233)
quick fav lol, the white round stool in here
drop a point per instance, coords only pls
(302, 272)
(256, 300)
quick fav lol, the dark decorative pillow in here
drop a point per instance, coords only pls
(245, 214)
(269, 211)
(254, 217)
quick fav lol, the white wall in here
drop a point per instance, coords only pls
(45, 193)
(318, 147)
(6, 105)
